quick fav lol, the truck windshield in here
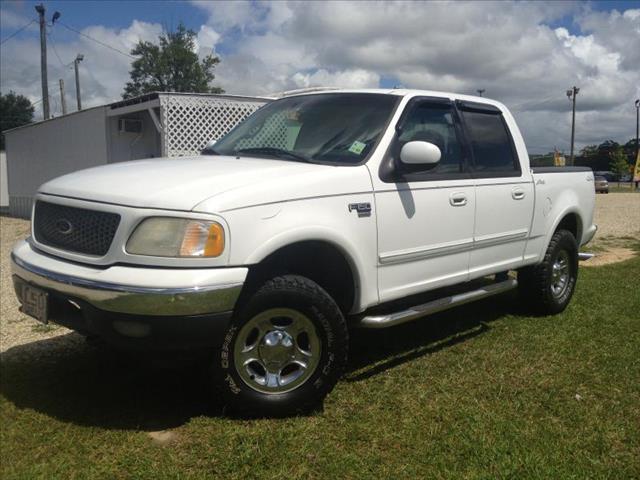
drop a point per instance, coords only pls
(334, 128)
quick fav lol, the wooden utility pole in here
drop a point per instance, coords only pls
(43, 61)
(63, 99)
(572, 94)
(78, 59)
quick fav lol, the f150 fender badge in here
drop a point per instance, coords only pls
(363, 209)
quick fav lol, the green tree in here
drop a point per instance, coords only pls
(618, 163)
(589, 151)
(15, 111)
(171, 66)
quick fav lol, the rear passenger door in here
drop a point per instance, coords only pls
(504, 193)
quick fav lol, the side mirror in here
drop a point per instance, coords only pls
(420, 153)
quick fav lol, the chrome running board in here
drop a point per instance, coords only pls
(582, 256)
(444, 303)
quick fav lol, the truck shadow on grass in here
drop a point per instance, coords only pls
(86, 385)
(373, 352)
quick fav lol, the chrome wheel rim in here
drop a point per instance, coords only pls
(277, 350)
(560, 274)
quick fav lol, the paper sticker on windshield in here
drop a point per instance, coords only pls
(357, 147)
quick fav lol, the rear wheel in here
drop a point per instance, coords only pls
(284, 351)
(549, 286)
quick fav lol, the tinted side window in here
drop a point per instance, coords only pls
(435, 124)
(490, 143)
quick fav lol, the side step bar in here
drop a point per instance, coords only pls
(396, 318)
(583, 256)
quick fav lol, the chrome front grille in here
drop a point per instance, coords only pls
(74, 229)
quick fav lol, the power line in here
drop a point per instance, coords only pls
(53, 44)
(97, 41)
(533, 103)
(16, 32)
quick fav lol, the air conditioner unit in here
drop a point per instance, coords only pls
(130, 125)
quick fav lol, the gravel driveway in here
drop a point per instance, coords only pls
(617, 215)
(15, 327)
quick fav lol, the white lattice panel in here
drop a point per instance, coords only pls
(191, 121)
(272, 134)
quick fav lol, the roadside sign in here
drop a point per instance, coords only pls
(636, 170)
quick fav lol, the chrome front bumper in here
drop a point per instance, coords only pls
(132, 290)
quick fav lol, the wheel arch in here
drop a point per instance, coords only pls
(569, 220)
(322, 255)
(572, 222)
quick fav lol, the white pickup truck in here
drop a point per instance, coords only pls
(319, 213)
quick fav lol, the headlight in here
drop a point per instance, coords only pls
(177, 237)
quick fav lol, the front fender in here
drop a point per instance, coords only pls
(258, 232)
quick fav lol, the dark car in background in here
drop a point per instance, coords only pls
(608, 176)
(601, 184)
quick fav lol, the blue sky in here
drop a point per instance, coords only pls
(120, 13)
(525, 54)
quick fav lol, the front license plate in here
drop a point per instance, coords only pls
(35, 302)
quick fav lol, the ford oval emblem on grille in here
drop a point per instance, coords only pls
(64, 226)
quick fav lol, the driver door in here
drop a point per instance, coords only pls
(425, 214)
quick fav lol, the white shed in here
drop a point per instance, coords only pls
(153, 125)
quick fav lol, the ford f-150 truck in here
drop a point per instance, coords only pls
(320, 213)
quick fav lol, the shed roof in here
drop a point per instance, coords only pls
(145, 101)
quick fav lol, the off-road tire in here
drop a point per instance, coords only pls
(307, 297)
(535, 282)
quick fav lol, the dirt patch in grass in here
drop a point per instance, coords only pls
(163, 437)
(613, 255)
(610, 249)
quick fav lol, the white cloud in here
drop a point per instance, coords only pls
(11, 20)
(508, 48)
(357, 78)
(103, 72)
(206, 41)
(514, 50)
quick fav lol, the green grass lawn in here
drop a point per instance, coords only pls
(484, 391)
(622, 188)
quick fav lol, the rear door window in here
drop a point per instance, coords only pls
(491, 144)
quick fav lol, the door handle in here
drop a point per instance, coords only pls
(458, 199)
(518, 193)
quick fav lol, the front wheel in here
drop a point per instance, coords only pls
(284, 350)
(549, 286)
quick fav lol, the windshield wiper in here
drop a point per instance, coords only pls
(276, 152)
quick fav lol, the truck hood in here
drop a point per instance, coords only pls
(215, 183)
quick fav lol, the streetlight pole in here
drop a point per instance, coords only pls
(78, 59)
(637, 127)
(636, 165)
(571, 95)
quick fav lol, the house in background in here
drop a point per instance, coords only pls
(152, 125)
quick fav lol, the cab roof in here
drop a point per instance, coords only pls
(402, 92)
